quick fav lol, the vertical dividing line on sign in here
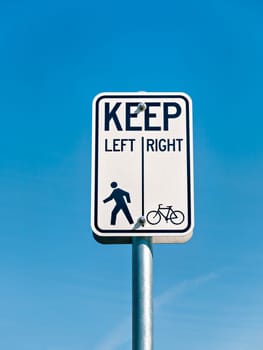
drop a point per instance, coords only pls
(142, 144)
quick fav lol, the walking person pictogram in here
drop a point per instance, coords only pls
(120, 196)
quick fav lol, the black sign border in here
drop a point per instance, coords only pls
(127, 239)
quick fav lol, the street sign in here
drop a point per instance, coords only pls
(142, 166)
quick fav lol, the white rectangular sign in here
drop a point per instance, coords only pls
(142, 166)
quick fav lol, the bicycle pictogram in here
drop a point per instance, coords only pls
(169, 214)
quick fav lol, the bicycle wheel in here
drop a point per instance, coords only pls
(153, 217)
(177, 217)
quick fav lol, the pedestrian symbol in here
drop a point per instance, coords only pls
(119, 196)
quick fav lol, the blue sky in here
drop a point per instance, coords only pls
(60, 289)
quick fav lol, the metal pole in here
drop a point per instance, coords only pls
(142, 309)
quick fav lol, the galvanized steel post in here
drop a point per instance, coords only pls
(142, 304)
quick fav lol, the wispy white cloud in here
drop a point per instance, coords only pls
(170, 294)
(121, 334)
(118, 336)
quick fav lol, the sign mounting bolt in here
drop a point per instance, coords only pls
(140, 108)
(142, 221)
